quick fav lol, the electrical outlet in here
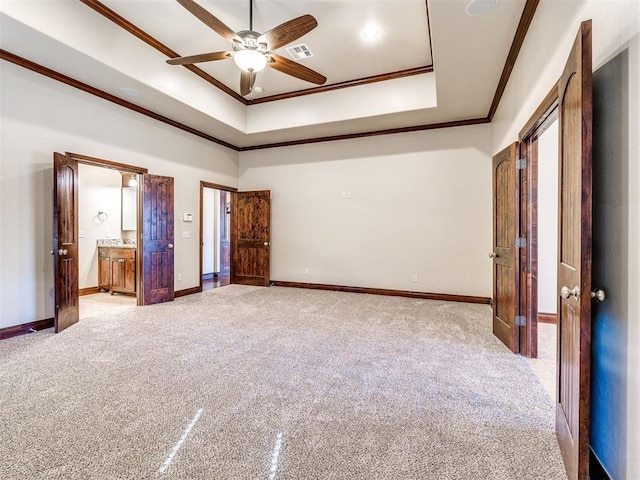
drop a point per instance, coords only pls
(81, 233)
(344, 195)
(349, 195)
(415, 278)
(186, 234)
(306, 271)
(179, 276)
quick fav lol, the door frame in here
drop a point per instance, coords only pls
(542, 118)
(122, 167)
(214, 186)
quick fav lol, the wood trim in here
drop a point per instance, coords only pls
(99, 162)
(217, 186)
(349, 83)
(88, 291)
(547, 318)
(187, 291)
(380, 291)
(521, 32)
(29, 65)
(375, 133)
(30, 327)
(542, 113)
(47, 72)
(162, 48)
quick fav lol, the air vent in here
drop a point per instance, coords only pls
(299, 52)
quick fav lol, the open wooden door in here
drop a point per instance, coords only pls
(65, 241)
(574, 257)
(157, 239)
(251, 238)
(505, 260)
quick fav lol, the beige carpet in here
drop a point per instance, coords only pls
(275, 383)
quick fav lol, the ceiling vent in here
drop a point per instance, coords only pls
(299, 52)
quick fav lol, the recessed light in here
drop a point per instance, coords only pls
(257, 89)
(475, 8)
(130, 92)
(370, 33)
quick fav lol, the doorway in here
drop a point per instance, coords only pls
(108, 239)
(215, 235)
(544, 168)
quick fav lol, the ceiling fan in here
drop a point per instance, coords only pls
(251, 50)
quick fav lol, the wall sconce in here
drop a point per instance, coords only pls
(133, 182)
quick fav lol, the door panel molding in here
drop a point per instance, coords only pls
(65, 241)
(504, 253)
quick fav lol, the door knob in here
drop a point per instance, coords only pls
(266, 244)
(170, 245)
(566, 292)
(62, 251)
(599, 295)
(493, 255)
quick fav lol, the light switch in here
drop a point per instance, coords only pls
(188, 217)
(81, 233)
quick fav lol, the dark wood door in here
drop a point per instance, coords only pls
(251, 238)
(157, 239)
(574, 257)
(225, 237)
(505, 261)
(65, 241)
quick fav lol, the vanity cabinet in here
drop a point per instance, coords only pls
(117, 269)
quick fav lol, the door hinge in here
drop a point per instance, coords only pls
(521, 242)
(521, 321)
(521, 164)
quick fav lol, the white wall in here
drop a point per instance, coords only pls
(615, 28)
(208, 195)
(633, 272)
(548, 219)
(40, 116)
(99, 190)
(420, 204)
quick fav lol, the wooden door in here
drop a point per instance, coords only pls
(505, 261)
(225, 237)
(157, 239)
(574, 257)
(65, 241)
(251, 238)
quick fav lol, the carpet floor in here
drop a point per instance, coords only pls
(275, 383)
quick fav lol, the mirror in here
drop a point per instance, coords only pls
(129, 208)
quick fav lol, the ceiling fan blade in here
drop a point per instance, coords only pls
(247, 80)
(294, 69)
(202, 57)
(288, 32)
(208, 19)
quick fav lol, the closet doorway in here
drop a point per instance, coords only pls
(215, 235)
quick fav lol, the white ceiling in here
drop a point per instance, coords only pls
(469, 54)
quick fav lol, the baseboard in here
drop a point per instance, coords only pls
(380, 291)
(187, 291)
(88, 291)
(30, 327)
(547, 318)
(596, 470)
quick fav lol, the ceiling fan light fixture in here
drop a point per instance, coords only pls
(250, 60)
(475, 8)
